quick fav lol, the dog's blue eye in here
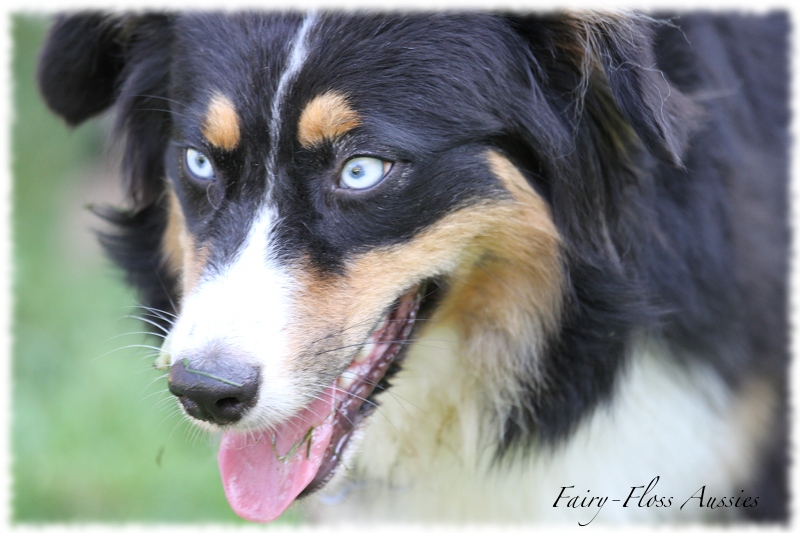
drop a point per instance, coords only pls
(363, 172)
(199, 165)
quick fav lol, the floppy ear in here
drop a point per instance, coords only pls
(91, 61)
(605, 67)
(619, 51)
(80, 64)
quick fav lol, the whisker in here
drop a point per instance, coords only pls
(161, 391)
(164, 287)
(195, 434)
(359, 324)
(342, 412)
(149, 369)
(159, 378)
(171, 414)
(152, 310)
(145, 333)
(151, 322)
(149, 347)
(160, 110)
(165, 403)
(159, 314)
(183, 420)
(159, 97)
(388, 391)
(405, 342)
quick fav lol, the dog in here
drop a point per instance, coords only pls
(458, 266)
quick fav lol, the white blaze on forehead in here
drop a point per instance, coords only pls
(242, 312)
(297, 56)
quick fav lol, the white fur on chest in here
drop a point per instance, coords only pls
(420, 456)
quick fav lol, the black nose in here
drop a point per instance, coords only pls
(213, 389)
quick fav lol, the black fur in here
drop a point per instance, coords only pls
(661, 147)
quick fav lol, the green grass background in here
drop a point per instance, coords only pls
(95, 435)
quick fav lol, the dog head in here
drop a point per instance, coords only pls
(310, 191)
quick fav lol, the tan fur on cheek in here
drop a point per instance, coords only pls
(326, 117)
(519, 268)
(173, 241)
(195, 261)
(508, 300)
(502, 261)
(178, 247)
(221, 124)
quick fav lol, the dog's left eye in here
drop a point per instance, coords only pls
(363, 172)
(198, 164)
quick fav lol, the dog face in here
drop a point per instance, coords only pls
(313, 214)
(313, 191)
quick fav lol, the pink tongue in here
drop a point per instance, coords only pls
(263, 473)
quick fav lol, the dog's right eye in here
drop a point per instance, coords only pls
(198, 165)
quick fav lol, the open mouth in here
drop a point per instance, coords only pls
(263, 472)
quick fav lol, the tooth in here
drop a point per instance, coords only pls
(345, 382)
(363, 353)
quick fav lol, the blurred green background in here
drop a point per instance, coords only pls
(95, 435)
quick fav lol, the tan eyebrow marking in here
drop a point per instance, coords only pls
(221, 125)
(326, 117)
